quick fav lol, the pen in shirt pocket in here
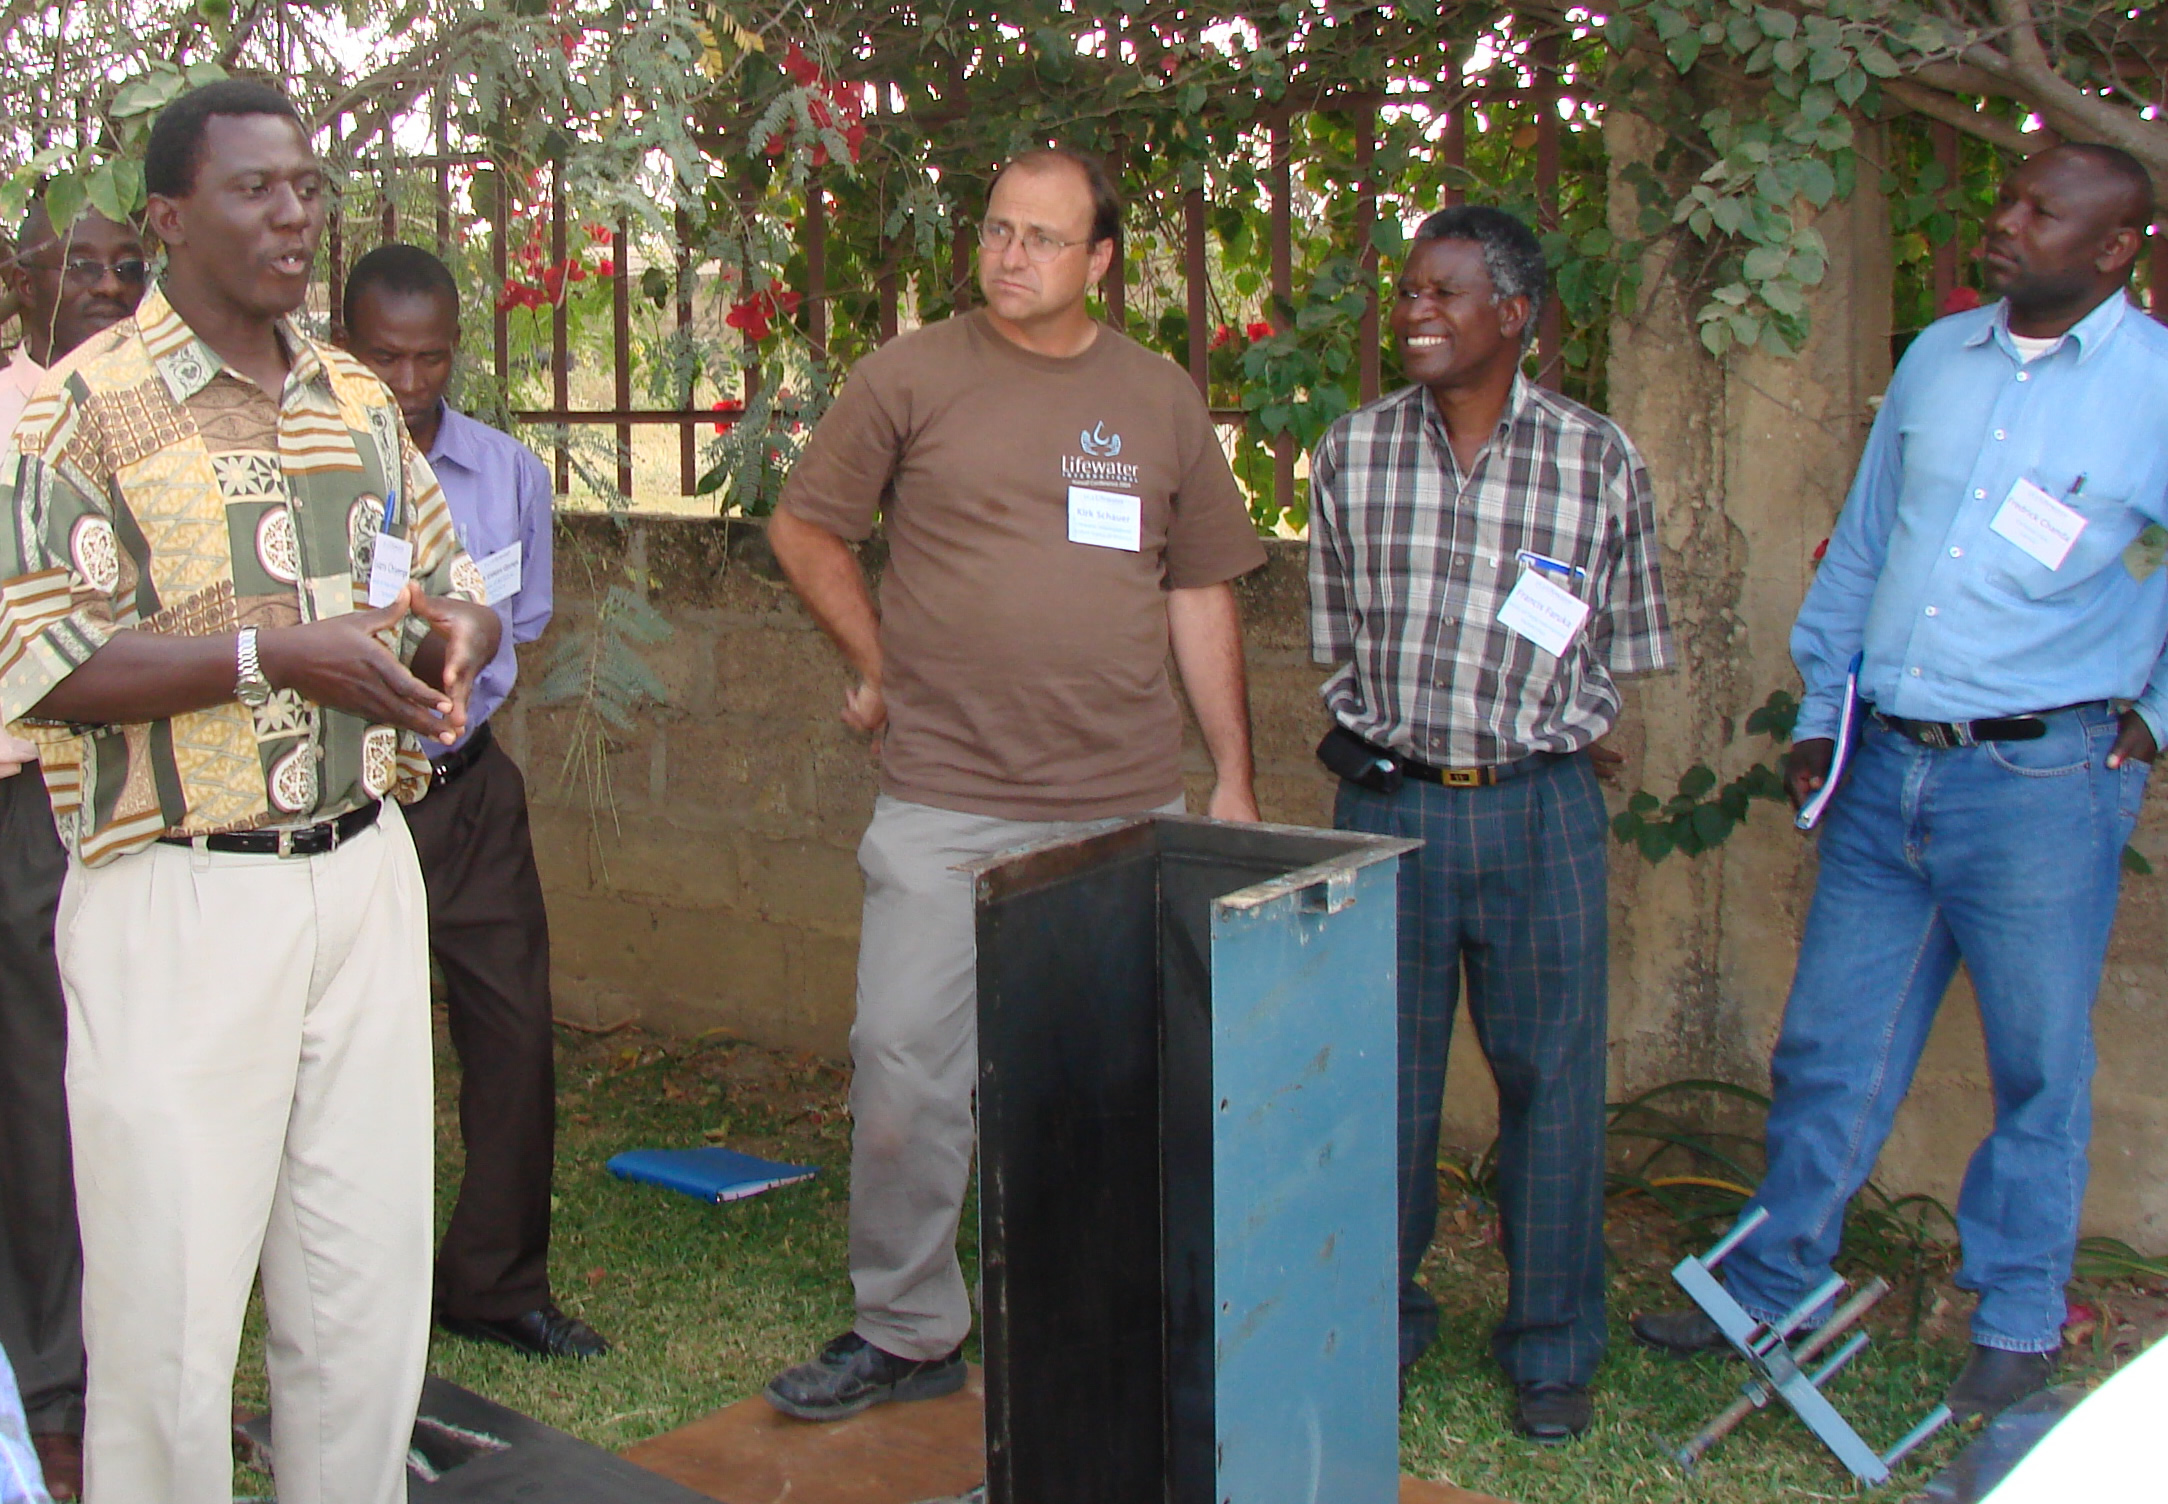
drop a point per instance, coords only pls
(1544, 564)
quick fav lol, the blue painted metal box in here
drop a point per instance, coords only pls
(1186, 1113)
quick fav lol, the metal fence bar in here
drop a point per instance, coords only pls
(816, 269)
(1283, 290)
(621, 347)
(560, 324)
(688, 459)
(500, 265)
(1366, 216)
(440, 107)
(1193, 250)
(1550, 330)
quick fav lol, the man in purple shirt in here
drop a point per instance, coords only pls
(487, 927)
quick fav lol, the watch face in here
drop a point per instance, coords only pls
(254, 691)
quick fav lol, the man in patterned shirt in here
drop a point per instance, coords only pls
(204, 508)
(1483, 562)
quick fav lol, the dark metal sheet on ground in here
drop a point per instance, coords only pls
(469, 1450)
(892, 1454)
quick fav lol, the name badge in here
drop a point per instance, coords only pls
(500, 573)
(2037, 523)
(1106, 519)
(1548, 615)
(391, 560)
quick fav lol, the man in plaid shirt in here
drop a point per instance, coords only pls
(1483, 563)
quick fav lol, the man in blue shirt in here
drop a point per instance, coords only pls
(487, 927)
(1997, 570)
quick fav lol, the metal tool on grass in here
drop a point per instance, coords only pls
(1779, 1368)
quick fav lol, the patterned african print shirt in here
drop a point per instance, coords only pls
(152, 488)
(1411, 561)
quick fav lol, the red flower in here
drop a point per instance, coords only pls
(802, 69)
(1222, 335)
(1820, 549)
(1253, 332)
(1962, 299)
(553, 281)
(568, 42)
(576, 273)
(727, 405)
(775, 144)
(755, 315)
(600, 234)
(606, 267)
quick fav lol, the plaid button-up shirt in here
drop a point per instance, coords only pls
(1410, 562)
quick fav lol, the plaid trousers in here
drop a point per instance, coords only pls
(1510, 883)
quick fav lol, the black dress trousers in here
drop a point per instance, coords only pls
(490, 936)
(41, 1256)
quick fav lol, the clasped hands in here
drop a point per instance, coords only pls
(342, 662)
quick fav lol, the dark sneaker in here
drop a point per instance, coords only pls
(851, 1375)
(1681, 1333)
(1994, 1380)
(544, 1332)
(1548, 1412)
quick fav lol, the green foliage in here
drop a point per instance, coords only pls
(596, 667)
(1701, 816)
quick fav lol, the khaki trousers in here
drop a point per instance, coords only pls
(249, 1086)
(915, 1066)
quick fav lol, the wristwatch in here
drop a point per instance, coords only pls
(251, 688)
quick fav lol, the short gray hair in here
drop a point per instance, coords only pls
(1511, 253)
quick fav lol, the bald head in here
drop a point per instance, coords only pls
(2064, 234)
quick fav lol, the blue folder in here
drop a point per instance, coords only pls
(716, 1175)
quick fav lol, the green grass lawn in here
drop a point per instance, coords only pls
(705, 1303)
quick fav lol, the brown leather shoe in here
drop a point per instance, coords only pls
(60, 1455)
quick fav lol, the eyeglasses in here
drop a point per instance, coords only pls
(995, 235)
(87, 271)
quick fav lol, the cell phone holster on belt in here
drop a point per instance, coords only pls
(1345, 753)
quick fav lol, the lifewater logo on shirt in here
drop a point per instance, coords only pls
(1098, 465)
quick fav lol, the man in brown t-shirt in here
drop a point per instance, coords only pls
(1058, 514)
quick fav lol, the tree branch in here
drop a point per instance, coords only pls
(1936, 105)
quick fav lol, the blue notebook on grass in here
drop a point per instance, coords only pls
(716, 1175)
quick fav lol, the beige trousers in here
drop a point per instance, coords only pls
(249, 1087)
(915, 1066)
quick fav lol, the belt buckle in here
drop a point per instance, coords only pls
(1937, 735)
(1461, 778)
(286, 842)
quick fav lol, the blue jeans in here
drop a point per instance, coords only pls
(2006, 855)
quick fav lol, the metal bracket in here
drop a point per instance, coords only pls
(1780, 1368)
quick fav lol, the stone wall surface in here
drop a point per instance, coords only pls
(701, 874)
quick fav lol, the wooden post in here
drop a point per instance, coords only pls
(1200, 338)
(621, 349)
(1943, 267)
(560, 327)
(1283, 290)
(1366, 215)
(1550, 330)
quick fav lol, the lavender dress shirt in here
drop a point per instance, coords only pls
(499, 493)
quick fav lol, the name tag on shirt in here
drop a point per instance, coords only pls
(1548, 615)
(1106, 519)
(500, 573)
(2037, 523)
(391, 560)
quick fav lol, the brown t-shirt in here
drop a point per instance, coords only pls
(1026, 673)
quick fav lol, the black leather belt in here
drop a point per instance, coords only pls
(444, 769)
(2008, 728)
(1452, 778)
(310, 840)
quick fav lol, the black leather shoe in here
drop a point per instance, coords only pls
(1548, 1412)
(851, 1375)
(1994, 1380)
(544, 1332)
(1680, 1333)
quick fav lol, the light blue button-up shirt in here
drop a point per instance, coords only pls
(499, 494)
(1954, 621)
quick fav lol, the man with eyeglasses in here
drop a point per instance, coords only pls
(68, 286)
(1058, 513)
